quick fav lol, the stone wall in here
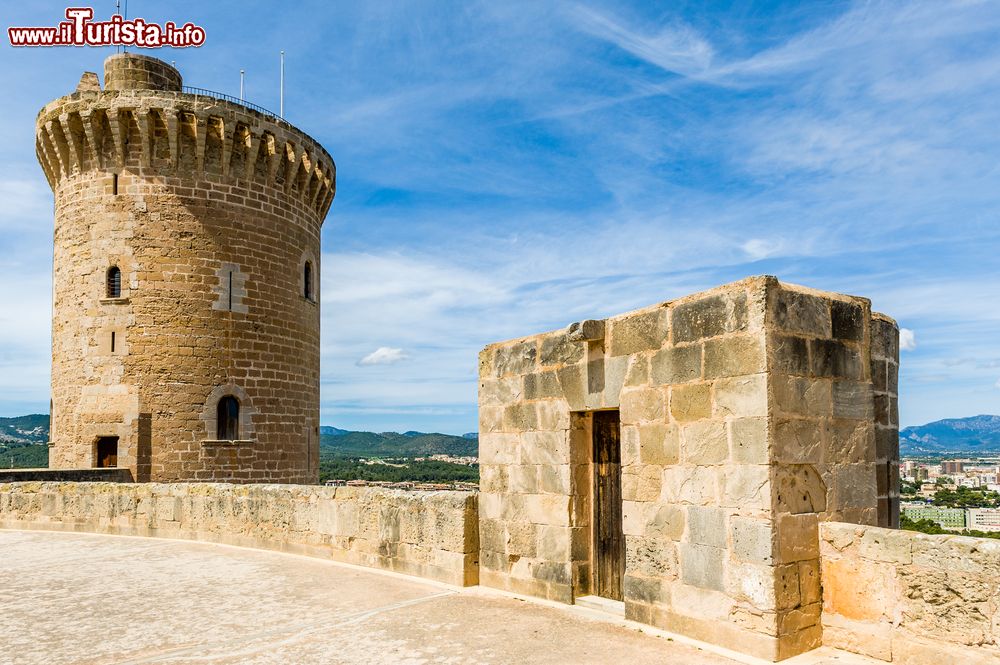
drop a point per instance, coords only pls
(911, 598)
(126, 71)
(747, 417)
(115, 475)
(426, 534)
(210, 211)
(885, 384)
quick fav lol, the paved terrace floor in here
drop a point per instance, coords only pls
(81, 598)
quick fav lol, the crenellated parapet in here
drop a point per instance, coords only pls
(169, 133)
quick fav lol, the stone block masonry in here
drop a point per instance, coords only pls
(426, 534)
(911, 598)
(749, 414)
(210, 212)
(885, 382)
(114, 475)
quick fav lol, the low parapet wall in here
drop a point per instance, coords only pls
(427, 534)
(911, 598)
(107, 475)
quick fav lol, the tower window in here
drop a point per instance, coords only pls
(107, 452)
(114, 282)
(228, 419)
(307, 276)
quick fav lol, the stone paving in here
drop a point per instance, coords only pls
(81, 598)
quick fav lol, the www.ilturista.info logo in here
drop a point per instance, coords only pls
(79, 30)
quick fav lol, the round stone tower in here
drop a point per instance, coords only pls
(185, 327)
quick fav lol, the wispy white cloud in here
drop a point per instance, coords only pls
(760, 248)
(383, 355)
(907, 340)
(676, 48)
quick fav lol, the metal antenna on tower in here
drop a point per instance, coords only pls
(281, 101)
(118, 11)
(242, 74)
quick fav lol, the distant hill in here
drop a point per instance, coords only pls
(23, 438)
(387, 444)
(24, 429)
(975, 434)
(24, 456)
(23, 441)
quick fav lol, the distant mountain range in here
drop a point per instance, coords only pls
(334, 441)
(18, 437)
(975, 434)
(23, 439)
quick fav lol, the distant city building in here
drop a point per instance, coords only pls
(922, 473)
(406, 485)
(949, 518)
(466, 460)
(951, 467)
(928, 490)
(980, 469)
(983, 519)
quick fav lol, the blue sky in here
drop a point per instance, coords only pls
(509, 167)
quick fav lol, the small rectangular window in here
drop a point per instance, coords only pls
(228, 419)
(112, 341)
(114, 282)
(107, 452)
(114, 184)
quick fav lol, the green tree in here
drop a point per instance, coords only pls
(429, 471)
(923, 526)
(966, 497)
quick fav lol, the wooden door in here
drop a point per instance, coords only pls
(107, 452)
(609, 541)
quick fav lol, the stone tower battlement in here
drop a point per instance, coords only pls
(143, 120)
(185, 335)
(129, 71)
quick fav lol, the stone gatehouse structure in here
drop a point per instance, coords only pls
(185, 332)
(680, 458)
